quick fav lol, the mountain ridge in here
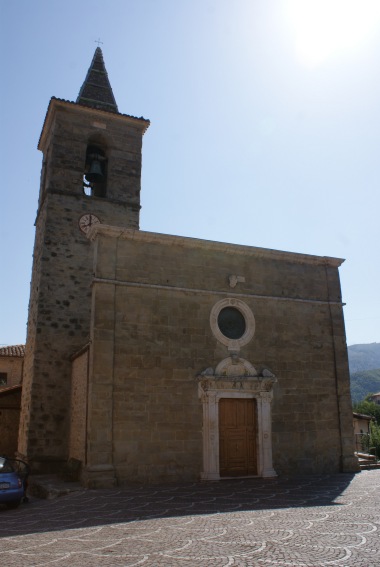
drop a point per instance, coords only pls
(364, 357)
(364, 363)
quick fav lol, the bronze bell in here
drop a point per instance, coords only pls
(95, 173)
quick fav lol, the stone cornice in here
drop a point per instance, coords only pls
(235, 384)
(56, 103)
(187, 242)
(171, 288)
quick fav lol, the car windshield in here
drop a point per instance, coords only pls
(5, 466)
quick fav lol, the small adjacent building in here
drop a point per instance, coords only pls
(11, 365)
(375, 398)
(11, 368)
(362, 428)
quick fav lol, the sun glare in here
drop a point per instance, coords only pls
(326, 28)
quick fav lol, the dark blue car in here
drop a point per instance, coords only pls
(12, 482)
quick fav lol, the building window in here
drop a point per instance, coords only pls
(232, 323)
(95, 172)
(3, 378)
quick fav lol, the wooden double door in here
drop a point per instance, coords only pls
(237, 437)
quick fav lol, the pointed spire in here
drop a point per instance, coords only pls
(96, 90)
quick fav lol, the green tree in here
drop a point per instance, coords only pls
(374, 439)
(368, 408)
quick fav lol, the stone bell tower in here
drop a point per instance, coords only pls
(91, 173)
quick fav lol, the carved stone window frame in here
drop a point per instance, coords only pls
(233, 345)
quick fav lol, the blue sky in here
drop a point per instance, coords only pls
(265, 126)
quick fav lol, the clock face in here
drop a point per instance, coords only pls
(87, 221)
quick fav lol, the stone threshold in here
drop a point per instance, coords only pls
(51, 486)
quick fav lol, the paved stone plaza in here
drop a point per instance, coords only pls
(289, 521)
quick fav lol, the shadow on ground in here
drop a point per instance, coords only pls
(91, 508)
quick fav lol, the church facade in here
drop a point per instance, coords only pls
(153, 357)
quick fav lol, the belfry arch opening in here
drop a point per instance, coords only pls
(95, 171)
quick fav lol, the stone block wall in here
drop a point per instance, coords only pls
(60, 297)
(78, 407)
(151, 337)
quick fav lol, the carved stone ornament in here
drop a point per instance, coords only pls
(234, 280)
(235, 366)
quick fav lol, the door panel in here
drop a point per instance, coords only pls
(237, 437)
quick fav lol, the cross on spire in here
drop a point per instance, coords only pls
(98, 42)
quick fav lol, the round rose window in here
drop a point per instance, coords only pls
(231, 322)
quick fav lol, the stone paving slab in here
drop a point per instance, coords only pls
(300, 521)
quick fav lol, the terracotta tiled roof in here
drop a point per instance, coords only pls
(10, 390)
(363, 416)
(13, 350)
(102, 109)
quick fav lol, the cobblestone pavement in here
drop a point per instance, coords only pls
(289, 521)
